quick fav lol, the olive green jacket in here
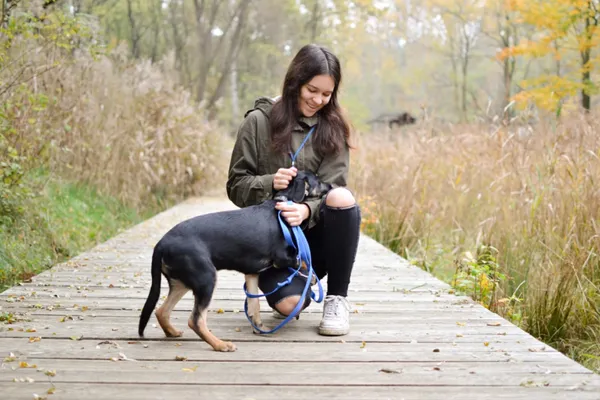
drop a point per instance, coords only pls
(254, 164)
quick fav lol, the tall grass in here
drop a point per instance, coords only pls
(123, 131)
(509, 214)
(124, 127)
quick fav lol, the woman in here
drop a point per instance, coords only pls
(270, 149)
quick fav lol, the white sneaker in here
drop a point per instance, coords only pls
(336, 316)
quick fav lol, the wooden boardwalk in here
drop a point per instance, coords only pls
(74, 331)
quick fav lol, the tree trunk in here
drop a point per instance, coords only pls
(231, 56)
(586, 77)
(156, 17)
(235, 105)
(314, 22)
(135, 38)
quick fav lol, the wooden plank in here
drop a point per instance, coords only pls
(186, 305)
(289, 372)
(301, 391)
(255, 351)
(139, 294)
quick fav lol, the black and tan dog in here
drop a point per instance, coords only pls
(247, 240)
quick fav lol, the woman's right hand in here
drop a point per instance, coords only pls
(283, 177)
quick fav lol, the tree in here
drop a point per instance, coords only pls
(565, 28)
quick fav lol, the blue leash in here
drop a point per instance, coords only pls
(293, 156)
(303, 255)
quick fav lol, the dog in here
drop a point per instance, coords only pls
(248, 240)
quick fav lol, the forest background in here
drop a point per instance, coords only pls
(112, 110)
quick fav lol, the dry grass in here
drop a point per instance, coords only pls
(126, 128)
(440, 199)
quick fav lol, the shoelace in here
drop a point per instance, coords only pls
(333, 309)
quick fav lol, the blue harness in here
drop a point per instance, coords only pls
(303, 249)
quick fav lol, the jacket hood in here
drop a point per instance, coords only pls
(264, 104)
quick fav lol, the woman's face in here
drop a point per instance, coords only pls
(315, 94)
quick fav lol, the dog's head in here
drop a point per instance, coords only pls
(305, 184)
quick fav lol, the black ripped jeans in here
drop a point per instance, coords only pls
(333, 243)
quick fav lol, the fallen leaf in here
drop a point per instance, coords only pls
(34, 339)
(75, 337)
(437, 369)
(532, 383)
(180, 358)
(238, 329)
(123, 357)
(24, 364)
(193, 369)
(494, 324)
(459, 335)
(30, 330)
(537, 350)
(389, 371)
(436, 350)
(220, 311)
(363, 344)
(461, 324)
(50, 372)
(51, 390)
(486, 344)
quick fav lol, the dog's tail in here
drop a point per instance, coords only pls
(154, 290)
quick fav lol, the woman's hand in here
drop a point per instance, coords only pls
(283, 177)
(293, 213)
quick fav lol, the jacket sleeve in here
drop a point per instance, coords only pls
(333, 170)
(244, 186)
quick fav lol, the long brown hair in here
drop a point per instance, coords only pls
(333, 131)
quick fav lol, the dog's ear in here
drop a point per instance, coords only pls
(299, 189)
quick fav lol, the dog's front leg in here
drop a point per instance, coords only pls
(253, 303)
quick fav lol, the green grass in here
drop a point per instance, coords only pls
(59, 221)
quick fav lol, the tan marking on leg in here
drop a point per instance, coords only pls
(254, 304)
(201, 329)
(176, 291)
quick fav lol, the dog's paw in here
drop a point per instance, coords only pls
(261, 327)
(174, 333)
(225, 346)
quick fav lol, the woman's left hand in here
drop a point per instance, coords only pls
(293, 213)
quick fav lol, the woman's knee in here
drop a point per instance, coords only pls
(340, 198)
(287, 305)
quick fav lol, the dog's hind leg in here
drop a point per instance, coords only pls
(176, 291)
(253, 303)
(197, 323)
(203, 286)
